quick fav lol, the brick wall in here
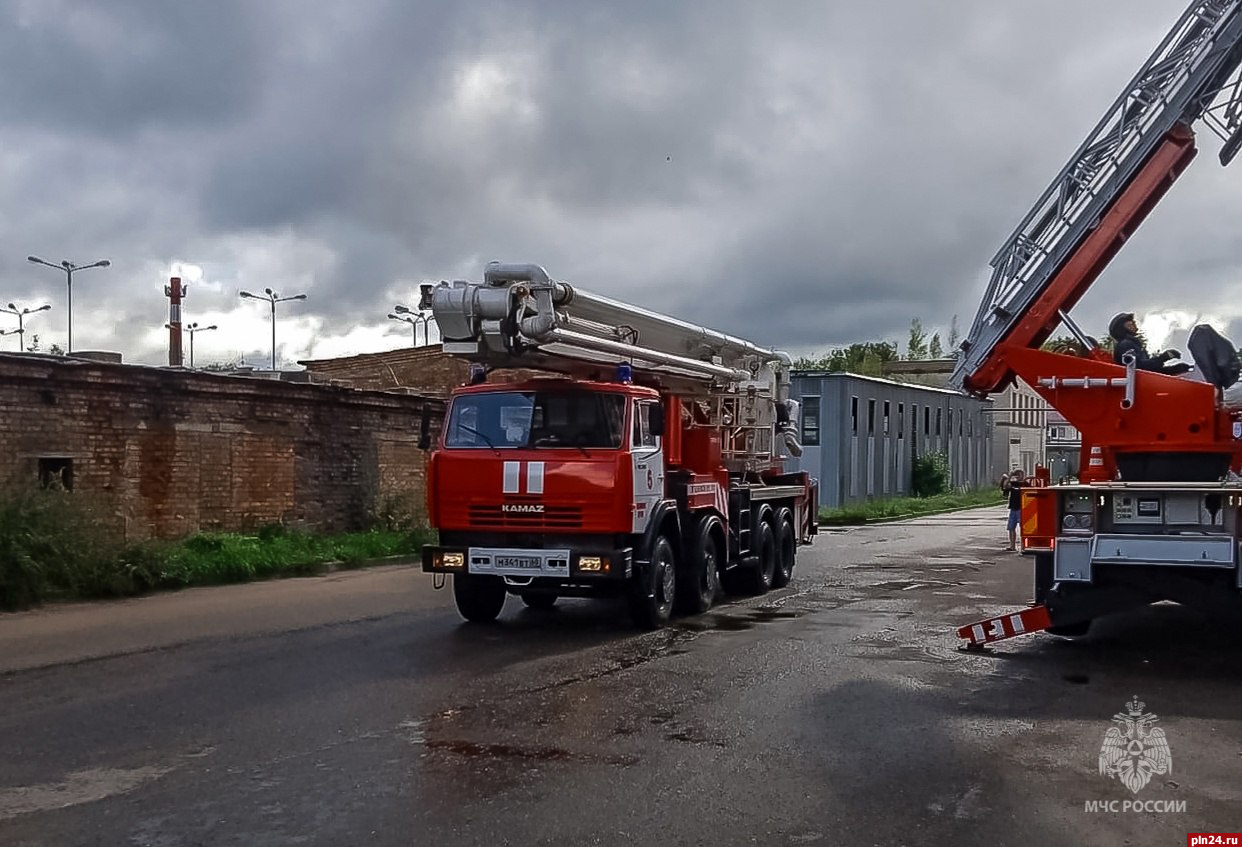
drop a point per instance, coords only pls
(171, 452)
(426, 370)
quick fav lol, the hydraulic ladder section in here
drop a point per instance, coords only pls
(1114, 179)
(520, 317)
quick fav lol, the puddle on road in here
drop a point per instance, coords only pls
(472, 750)
(748, 619)
(911, 584)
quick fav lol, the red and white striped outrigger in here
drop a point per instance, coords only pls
(984, 632)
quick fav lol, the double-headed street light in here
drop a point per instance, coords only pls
(193, 328)
(405, 313)
(69, 267)
(21, 321)
(272, 298)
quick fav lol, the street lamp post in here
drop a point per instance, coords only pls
(69, 267)
(272, 298)
(405, 313)
(409, 320)
(21, 321)
(193, 328)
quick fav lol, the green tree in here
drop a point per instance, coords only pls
(866, 358)
(934, 348)
(916, 347)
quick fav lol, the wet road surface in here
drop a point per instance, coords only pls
(358, 709)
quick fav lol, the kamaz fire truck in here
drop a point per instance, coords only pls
(1157, 512)
(646, 464)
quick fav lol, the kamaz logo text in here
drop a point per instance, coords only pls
(523, 508)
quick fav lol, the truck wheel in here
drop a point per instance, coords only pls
(699, 579)
(759, 578)
(479, 598)
(539, 601)
(651, 603)
(786, 549)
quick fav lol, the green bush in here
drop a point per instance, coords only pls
(60, 544)
(930, 475)
(54, 542)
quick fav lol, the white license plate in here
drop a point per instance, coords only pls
(531, 563)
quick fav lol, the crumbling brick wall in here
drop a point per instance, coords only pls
(172, 452)
(427, 371)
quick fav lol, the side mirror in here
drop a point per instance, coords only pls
(424, 430)
(656, 420)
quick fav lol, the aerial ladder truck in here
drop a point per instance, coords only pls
(643, 459)
(1156, 513)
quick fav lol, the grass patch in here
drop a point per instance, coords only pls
(218, 558)
(55, 545)
(896, 508)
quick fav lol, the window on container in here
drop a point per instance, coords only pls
(887, 408)
(56, 473)
(939, 417)
(901, 420)
(871, 417)
(854, 414)
(950, 430)
(960, 415)
(927, 420)
(810, 421)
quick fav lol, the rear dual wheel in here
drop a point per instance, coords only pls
(786, 549)
(698, 585)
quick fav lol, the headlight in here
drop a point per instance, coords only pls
(451, 560)
(593, 564)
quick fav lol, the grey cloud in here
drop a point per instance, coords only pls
(805, 174)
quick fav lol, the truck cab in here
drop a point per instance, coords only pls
(546, 484)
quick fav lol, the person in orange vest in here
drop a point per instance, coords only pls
(1012, 485)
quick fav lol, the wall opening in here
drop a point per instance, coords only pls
(56, 472)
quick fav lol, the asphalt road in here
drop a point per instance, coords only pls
(357, 709)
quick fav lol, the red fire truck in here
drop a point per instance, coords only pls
(1157, 512)
(647, 464)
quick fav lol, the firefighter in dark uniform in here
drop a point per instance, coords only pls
(1125, 335)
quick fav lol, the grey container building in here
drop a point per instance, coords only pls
(860, 435)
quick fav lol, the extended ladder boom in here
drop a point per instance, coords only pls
(520, 317)
(1126, 164)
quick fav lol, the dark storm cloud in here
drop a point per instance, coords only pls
(805, 174)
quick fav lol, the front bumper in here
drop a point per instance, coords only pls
(529, 564)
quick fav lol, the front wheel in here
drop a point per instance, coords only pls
(479, 598)
(651, 603)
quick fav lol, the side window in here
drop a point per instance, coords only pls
(643, 436)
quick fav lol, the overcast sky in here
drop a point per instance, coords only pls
(804, 174)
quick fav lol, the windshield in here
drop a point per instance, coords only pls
(516, 419)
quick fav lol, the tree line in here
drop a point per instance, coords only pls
(869, 358)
